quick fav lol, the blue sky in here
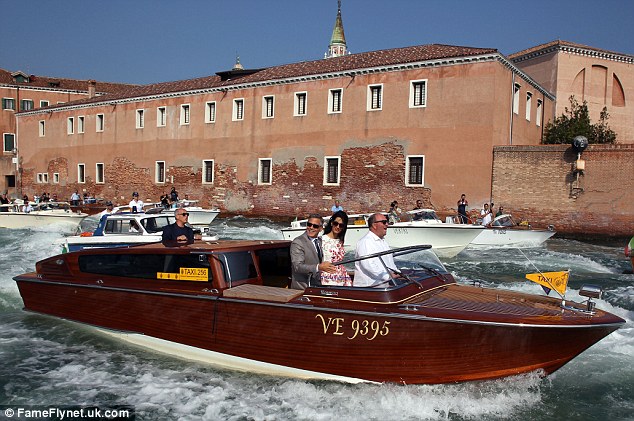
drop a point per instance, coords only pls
(145, 41)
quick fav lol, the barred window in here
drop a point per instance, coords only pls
(418, 93)
(332, 168)
(264, 171)
(415, 171)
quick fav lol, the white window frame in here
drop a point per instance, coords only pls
(268, 106)
(529, 105)
(81, 173)
(516, 98)
(8, 101)
(331, 100)
(206, 164)
(185, 117)
(326, 167)
(27, 101)
(371, 103)
(296, 104)
(44, 103)
(538, 113)
(45, 178)
(70, 125)
(412, 93)
(161, 116)
(39, 178)
(100, 123)
(238, 109)
(81, 124)
(210, 112)
(100, 173)
(407, 171)
(160, 170)
(140, 118)
(260, 167)
(4, 142)
(55, 178)
(42, 128)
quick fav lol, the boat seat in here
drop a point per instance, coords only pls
(260, 292)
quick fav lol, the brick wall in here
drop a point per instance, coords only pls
(539, 184)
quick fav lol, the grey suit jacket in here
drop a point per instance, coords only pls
(304, 259)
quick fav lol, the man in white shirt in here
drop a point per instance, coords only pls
(372, 272)
(136, 205)
(108, 211)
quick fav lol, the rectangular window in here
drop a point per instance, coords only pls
(8, 142)
(332, 167)
(300, 104)
(415, 171)
(210, 112)
(140, 119)
(160, 172)
(208, 171)
(81, 173)
(70, 125)
(55, 178)
(81, 124)
(39, 177)
(8, 104)
(335, 97)
(529, 99)
(418, 93)
(184, 114)
(238, 109)
(100, 122)
(375, 97)
(264, 170)
(161, 116)
(268, 107)
(538, 115)
(26, 105)
(43, 103)
(99, 173)
(42, 126)
(516, 98)
(45, 177)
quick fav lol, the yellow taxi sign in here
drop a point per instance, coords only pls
(551, 280)
(186, 274)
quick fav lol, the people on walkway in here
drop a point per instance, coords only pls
(173, 197)
(372, 272)
(332, 247)
(462, 209)
(307, 256)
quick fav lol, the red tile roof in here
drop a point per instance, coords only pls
(62, 83)
(349, 62)
(561, 43)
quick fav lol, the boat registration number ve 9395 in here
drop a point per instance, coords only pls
(186, 274)
(354, 328)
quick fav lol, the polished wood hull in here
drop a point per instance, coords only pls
(407, 337)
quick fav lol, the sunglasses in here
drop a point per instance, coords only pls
(382, 221)
(336, 224)
(184, 214)
(309, 225)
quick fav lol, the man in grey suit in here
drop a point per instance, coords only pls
(306, 256)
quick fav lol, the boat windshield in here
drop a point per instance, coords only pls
(424, 215)
(503, 221)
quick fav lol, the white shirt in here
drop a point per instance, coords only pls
(138, 203)
(371, 272)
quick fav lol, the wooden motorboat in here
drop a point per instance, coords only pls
(229, 302)
(503, 231)
(42, 214)
(126, 229)
(424, 227)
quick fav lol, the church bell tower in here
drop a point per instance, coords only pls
(337, 45)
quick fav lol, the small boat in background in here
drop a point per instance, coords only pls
(503, 231)
(228, 303)
(629, 252)
(41, 214)
(125, 229)
(198, 216)
(447, 240)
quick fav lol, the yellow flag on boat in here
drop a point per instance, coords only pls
(551, 280)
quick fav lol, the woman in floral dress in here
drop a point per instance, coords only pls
(332, 247)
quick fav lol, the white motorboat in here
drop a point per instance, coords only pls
(198, 216)
(42, 214)
(447, 240)
(126, 229)
(503, 231)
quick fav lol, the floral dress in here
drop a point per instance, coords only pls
(333, 251)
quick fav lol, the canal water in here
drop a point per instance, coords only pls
(45, 361)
